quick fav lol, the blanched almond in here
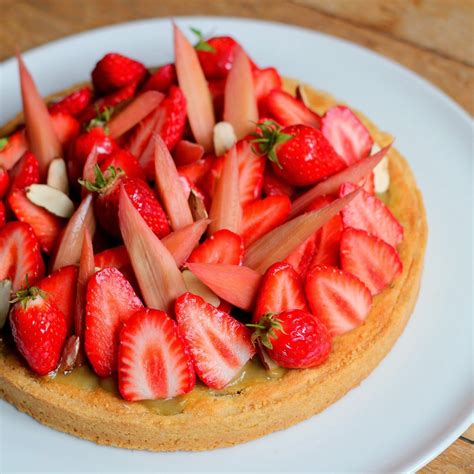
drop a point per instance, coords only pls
(224, 137)
(5, 292)
(197, 287)
(381, 173)
(51, 199)
(57, 175)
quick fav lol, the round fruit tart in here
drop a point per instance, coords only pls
(197, 255)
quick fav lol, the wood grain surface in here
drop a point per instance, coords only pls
(434, 38)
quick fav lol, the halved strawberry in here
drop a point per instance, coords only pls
(274, 185)
(301, 257)
(45, 225)
(346, 133)
(369, 213)
(265, 81)
(25, 172)
(114, 257)
(219, 344)
(162, 79)
(196, 171)
(338, 298)
(65, 126)
(73, 103)
(4, 181)
(262, 216)
(60, 288)
(281, 290)
(110, 302)
(3, 218)
(221, 247)
(369, 258)
(153, 361)
(20, 255)
(12, 149)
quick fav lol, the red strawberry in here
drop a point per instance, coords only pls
(124, 160)
(265, 81)
(301, 257)
(281, 290)
(4, 181)
(294, 339)
(219, 344)
(273, 185)
(115, 71)
(118, 258)
(110, 302)
(217, 90)
(107, 186)
(20, 255)
(60, 288)
(73, 103)
(368, 183)
(45, 225)
(221, 247)
(287, 110)
(162, 79)
(153, 361)
(65, 126)
(345, 132)
(338, 298)
(39, 330)
(186, 153)
(299, 154)
(12, 149)
(197, 170)
(25, 172)
(369, 213)
(370, 259)
(3, 218)
(262, 216)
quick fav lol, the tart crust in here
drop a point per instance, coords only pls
(211, 420)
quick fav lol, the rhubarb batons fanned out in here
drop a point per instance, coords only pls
(158, 275)
(69, 248)
(219, 344)
(153, 361)
(240, 103)
(280, 242)
(169, 187)
(193, 83)
(235, 284)
(110, 301)
(226, 211)
(42, 139)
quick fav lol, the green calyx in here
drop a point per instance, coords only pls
(267, 139)
(202, 44)
(27, 294)
(102, 180)
(265, 329)
(3, 143)
(101, 119)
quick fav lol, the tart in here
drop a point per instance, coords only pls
(261, 397)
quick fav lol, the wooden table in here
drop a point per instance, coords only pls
(434, 38)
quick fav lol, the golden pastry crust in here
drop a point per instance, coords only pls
(211, 420)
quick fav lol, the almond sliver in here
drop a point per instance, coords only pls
(51, 199)
(57, 175)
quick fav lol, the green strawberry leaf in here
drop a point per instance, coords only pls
(202, 44)
(3, 143)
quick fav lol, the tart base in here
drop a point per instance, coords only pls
(206, 419)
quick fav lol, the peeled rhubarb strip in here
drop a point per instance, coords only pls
(280, 242)
(240, 104)
(235, 284)
(158, 275)
(134, 113)
(351, 174)
(192, 81)
(226, 211)
(42, 139)
(182, 242)
(70, 246)
(169, 188)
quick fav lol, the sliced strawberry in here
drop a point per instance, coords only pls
(13, 149)
(73, 103)
(273, 185)
(346, 133)
(114, 257)
(369, 258)
(124, 160)
(262, 216)
(198, 170)
(265, 81)
(20, 255)
(110, 302)
(368, 183)
(153, 361)
(25, 172)
(162, 79)
(338, 298)
(369, 213)
(60, 288)
(300, 259)
(3, 218)
(221, 247)
(281, 290)
(4, 181)
(186, 153)
(65, 126)
(327, 250)
(219, 344)
(45, 225)
(287, 110)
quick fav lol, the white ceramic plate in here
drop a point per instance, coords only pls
(418, 400)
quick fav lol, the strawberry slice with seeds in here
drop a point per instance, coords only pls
(273, 185)
(20, 255)
(3, 218)
(73, 103)
(338, 298)
(186, 153)
(153, 361)
(198, 170)
(346, 133)
(110, 302)
(219, 344)
(265, 81)
(65, 126)
(12, 149)
(162, 79)
(369, 213)
(4, 181)
(25, 172)
(223, 246)
(370, 259)
(281, 290)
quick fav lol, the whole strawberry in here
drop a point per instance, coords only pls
(115, 71)
(39, 329)
(294, 339)
(73, 103)
(299, 153)
(107, 186)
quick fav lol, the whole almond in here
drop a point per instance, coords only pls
(51, 199)
(57, 175)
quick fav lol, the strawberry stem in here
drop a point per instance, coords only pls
(102, 180)
(101, 119)
(265, 329)
(24, 295)
(267, 138)
(202, 44)
(3, 143)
